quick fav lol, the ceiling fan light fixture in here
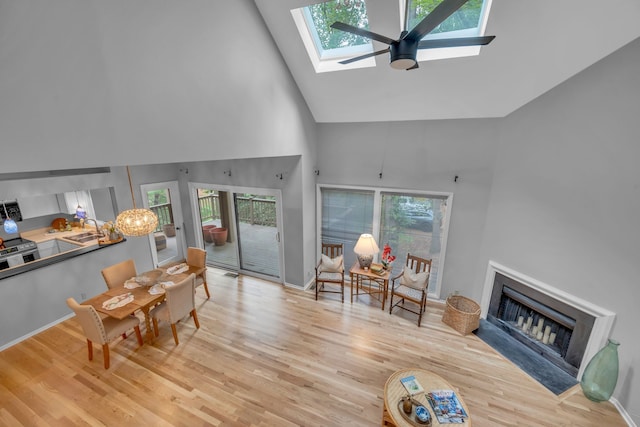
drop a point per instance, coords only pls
(403, 63)
(403, 51)
(403, 54)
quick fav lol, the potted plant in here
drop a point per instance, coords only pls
(219, 235)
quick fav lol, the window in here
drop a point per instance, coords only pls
(413, 224)
(409, 221)
(468, 21)
(465, 22)
(326, 46)
(346, 214)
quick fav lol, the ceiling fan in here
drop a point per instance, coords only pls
(403, 52)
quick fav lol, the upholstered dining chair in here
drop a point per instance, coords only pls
(102, 331)
(115, 275)
(197, 257)
(179, 302)
(330, 270)
(411, 285)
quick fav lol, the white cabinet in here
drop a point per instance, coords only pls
(47, 248)
(55, 247)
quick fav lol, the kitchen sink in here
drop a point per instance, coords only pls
(83, 237)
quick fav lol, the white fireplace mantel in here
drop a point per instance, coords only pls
(603, 318)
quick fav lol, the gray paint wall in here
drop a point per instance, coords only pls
(551, 191)
(565, 199)
(423, 156)
(146, 84)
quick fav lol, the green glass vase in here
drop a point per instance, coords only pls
(601, 374)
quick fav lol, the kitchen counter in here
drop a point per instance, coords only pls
(41, 235)
(72, 249)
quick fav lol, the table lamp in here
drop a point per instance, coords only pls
(365, 249)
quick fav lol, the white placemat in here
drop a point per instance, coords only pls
(117, 301)
(177, 269)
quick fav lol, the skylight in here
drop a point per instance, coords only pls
(327, 46)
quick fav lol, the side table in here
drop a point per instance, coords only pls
(394, 391)
(378, 285)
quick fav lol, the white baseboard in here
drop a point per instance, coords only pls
(36, 332)
(623, 412)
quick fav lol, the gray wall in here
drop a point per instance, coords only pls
(565, 199)
(551, 191)
(422, 156)
(98, 83)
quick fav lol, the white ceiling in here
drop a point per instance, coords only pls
(538, 45)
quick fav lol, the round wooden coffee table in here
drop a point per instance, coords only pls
(394, 391)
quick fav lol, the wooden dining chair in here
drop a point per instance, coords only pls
(330, 270)
(197, 257)
(179, 302)
(115, 275)
(102, 331)
(411, 286)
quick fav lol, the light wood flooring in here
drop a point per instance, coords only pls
(266, 355)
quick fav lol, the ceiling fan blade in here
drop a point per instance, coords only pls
(368, 55)
(455, 42)
(435, 18)
(361, 32)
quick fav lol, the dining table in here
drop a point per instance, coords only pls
(145, 296)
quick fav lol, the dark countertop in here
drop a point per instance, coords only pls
(43, 262)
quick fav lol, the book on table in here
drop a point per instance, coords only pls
(446, 406)
(377, 269)
(412, 385)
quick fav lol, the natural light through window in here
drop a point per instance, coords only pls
(327, 46)
(468, 21)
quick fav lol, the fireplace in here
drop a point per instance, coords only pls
(564, 329)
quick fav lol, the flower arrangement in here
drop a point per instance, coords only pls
(387, 258)
(110, 230)
(109, 227)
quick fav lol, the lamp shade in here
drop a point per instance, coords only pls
(81, 213)
(366, 247)
(136, 222)
(10, 226)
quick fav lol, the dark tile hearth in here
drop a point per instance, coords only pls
(539, 368)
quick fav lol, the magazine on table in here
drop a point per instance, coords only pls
(412, 385)
(446, 407)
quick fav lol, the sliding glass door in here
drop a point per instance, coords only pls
(240, 228)
(258, 233)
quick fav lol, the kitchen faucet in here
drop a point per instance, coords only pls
(96, 223)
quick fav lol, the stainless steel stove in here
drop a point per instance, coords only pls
(17, 251)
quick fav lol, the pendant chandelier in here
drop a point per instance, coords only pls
(136, 222)
(10, 225)
(80, 212)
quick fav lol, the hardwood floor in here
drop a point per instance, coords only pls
(266, 355)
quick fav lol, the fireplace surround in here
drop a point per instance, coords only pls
(511, 299)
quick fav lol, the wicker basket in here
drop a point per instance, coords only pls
(462, 314)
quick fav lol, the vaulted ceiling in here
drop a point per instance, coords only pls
(538, 45)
